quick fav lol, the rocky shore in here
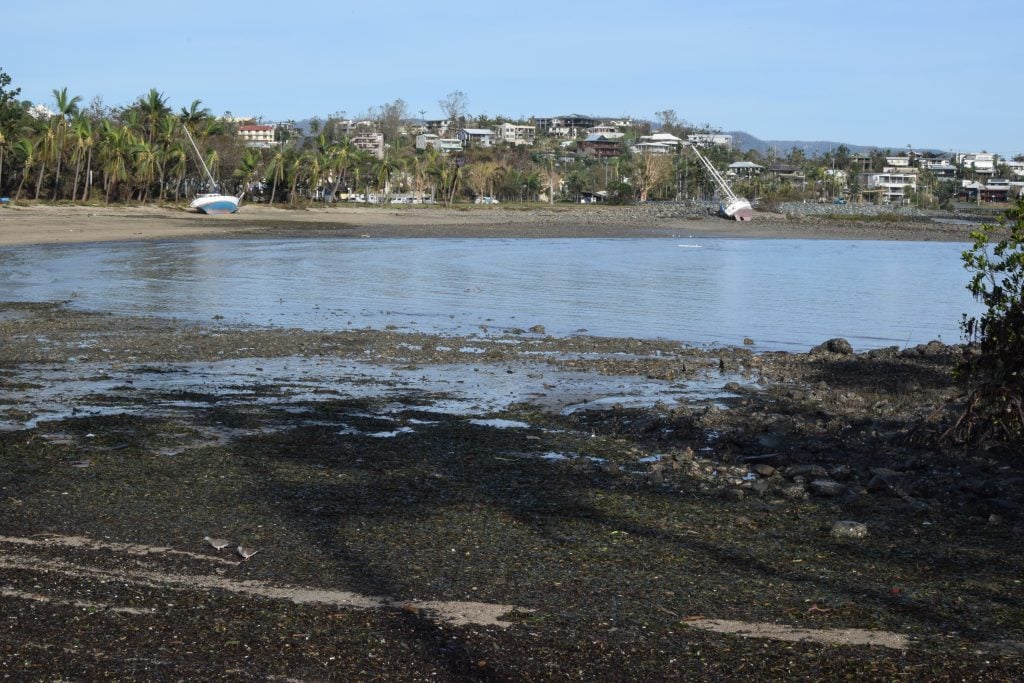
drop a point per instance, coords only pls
(493, 507)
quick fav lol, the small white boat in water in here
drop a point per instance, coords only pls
(211, 203)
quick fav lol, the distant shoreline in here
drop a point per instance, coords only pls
(72, 224)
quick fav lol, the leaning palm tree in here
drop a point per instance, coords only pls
(247, 168)
(47, 150)
(276, 171)
(28, 150)
(66, 108)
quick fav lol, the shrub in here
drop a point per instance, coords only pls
(994, 368)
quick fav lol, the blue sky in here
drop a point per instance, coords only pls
(927, 73)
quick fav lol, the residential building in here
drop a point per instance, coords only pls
(439, 144)
(666, 139)
(940, 168)
(981, 162)
(515, 134)
(898, 162)
(482, 137)
(565, 126)
(1016, 168)
(705, 139)
(889, 187)
(744, 169)
(599, 147)
(425, 140)
(370, 142)
(256, 135)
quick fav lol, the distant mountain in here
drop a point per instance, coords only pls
(744, 142)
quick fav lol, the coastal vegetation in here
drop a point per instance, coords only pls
(995, 406)
(69, 150)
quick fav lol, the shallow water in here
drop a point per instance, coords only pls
(783, 294)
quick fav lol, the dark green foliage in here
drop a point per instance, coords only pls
(995, 372)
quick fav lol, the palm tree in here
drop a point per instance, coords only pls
(385, 171)
(176, 164)
(247, 168)
(146, 166)
(194, 117)
(275, 171)
(154, 108)
(28, 150)
(49, 144)
(3, 146)
(116, 143)
(84, 141)
(65, 109)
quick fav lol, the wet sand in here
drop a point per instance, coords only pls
(63, 224)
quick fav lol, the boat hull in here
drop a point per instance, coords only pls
(214, 204)
(739, 210)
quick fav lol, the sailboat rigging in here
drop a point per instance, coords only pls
(211, 202)
(731, 206)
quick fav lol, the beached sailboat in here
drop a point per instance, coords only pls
(211, 202)
(731, 206)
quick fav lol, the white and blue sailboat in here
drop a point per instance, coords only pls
(211, 202)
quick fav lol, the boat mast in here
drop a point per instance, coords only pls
(715, 175)
(213, 183)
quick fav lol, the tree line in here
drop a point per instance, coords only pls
(138, 153)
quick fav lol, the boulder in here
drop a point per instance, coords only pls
(827, 488)
(836, 345)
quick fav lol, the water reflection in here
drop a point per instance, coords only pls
(786, 294)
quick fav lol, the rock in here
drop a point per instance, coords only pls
(794, 492)
(763, 469)
(807, 471)
(847, 529)
(538, 329)
(827, 488)
(836, 345)
(734, 493)
(840, 472)
(879, 485)
(747, 341)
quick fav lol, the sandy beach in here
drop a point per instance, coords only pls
(63, 224)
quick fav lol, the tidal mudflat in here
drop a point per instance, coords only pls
(492, 506)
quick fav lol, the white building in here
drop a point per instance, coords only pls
(483, 137)
(256, 135)
(893, 188)
(515, 134)
(705, 139)
(980, 162)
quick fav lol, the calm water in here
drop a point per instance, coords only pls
(784, 294)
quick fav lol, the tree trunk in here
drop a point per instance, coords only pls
(39, 182)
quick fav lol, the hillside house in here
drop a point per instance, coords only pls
(599, 147)
(982, 163)
(888, 187)
(256, 135)
(744, 169)
(565, 126)
(515, 134)
(372, 143)
(481, 137)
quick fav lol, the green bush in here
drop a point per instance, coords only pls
(994, 368)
